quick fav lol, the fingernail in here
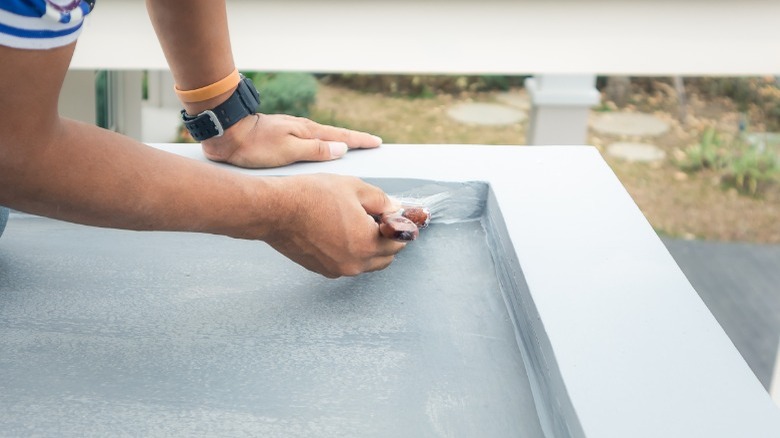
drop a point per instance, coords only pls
(378, 139)
(337, 149)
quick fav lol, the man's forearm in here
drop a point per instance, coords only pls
(93, 176)
(195, 39)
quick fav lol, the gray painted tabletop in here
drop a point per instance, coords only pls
(108, 332)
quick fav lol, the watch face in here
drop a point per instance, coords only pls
(254, 102)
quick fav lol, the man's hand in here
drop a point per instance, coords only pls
(263, 140)
(325, 225)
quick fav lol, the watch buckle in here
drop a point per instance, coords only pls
(215, 121)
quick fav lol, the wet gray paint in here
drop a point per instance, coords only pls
(106, 332)
(556, 413)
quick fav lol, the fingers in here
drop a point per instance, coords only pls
(314, 150)
(397, 227)
(375, 201)
(387, 247)
(386, 244)
(386, 251)
(379, 263)
(278, 139)
(316, 142)
(383, 254)
(353, 139)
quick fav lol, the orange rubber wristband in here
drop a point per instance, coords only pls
(209, 91)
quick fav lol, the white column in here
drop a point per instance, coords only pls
(77, 96)
(126, 102)
(160, 112)
(160, 89)
(560, 105)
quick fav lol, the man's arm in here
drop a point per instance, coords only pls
(195, 40)
(77, 172)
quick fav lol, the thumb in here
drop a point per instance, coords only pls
(319, 150)
(375, 201)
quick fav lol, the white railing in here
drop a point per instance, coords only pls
(636, 37)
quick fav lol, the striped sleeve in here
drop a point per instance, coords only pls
(41, 24)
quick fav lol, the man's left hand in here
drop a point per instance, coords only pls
(273, 140)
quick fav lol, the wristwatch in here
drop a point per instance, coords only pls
(214, 122)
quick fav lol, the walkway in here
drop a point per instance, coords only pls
(740, 283)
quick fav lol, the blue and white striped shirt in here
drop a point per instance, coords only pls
(41, 24)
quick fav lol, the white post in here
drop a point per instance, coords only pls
(160, 112)
(560, 108)
(160, 89)
(125, 102)
(77, 96)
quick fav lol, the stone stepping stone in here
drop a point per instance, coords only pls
(486, 114)
(636, 152)
(636, 124)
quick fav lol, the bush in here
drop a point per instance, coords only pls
(745, 166)
(709, 153)
(750, 168)
(286, 93)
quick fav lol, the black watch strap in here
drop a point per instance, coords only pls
(214, 122)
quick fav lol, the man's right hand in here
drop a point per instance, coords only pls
(325, 224)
